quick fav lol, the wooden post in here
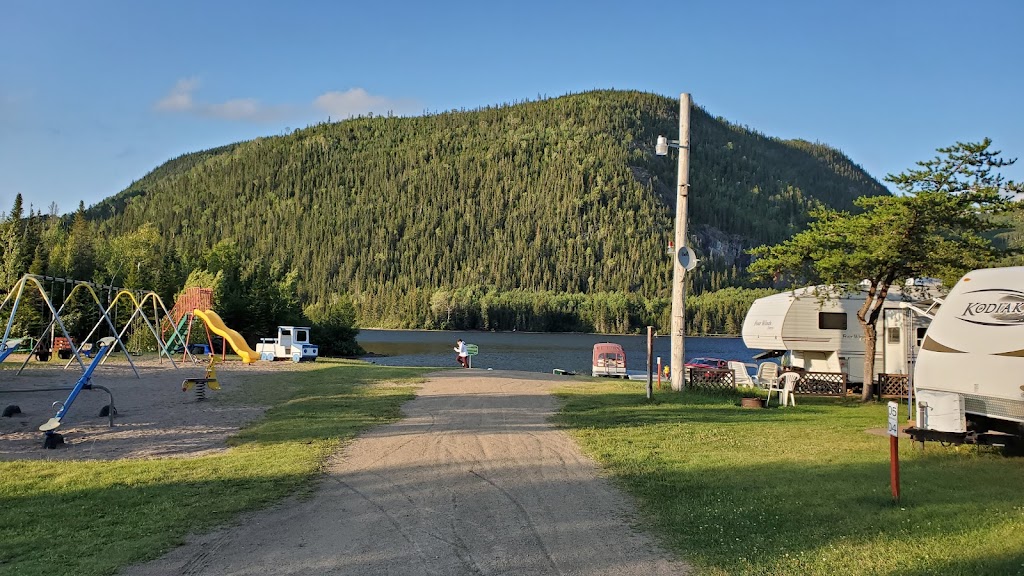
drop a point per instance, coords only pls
(678, 272)
(894, 467)
(894, 451)
(650, 361)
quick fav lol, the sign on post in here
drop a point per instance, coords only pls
(894, 429)
(472, 350)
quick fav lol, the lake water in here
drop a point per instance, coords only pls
(531, 351)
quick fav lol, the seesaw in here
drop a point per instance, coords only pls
(52, 439)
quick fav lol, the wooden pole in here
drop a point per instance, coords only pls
(678, 361)
(650, 361)
(894, 450)
(894, 467)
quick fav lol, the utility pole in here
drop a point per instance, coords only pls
(678, 271)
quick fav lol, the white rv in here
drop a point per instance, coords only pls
(817, 327)
(969, 378)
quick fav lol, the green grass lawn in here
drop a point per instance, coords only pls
(799, 490)
(86, 518)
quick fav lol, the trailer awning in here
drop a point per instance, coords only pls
(769, 354)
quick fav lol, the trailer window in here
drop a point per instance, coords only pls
(894, 335)
(832, 320)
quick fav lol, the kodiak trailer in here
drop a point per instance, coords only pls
(969, 378)
(817, 328)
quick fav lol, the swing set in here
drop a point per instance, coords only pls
(140, 300)
(147, 308)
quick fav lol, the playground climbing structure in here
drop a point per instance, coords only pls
(197, 304)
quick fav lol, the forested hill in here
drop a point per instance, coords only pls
(563, 195)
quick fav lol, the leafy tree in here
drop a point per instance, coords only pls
(224, 261)
(79, 255)
(127, 258)
(334, 329)
(935, 228)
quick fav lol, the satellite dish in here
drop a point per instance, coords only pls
(687, 259)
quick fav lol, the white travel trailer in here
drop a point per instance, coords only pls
(817, 327)
(969, 378)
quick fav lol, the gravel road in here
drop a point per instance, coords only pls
(474, 480)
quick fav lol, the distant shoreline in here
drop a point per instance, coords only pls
(528, 332)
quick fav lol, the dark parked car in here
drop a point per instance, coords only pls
(708, 363)
(713, 363)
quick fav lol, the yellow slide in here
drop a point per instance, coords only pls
(234, 338)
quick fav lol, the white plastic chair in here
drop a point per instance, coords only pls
(767, 374)
(740, 374)
(785, 385)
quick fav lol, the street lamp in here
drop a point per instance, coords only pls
(684, 260)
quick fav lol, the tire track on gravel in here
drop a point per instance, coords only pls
(474, 481)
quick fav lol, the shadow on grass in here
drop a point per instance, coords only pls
(98, 528)
(91, 517)
(800, 491)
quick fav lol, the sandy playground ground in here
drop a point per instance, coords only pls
(154, 417)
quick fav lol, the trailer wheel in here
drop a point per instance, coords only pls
(12, 410)
(296, 357)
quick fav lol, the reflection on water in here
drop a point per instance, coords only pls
(533, 352)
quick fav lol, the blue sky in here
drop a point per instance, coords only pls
(94, 95)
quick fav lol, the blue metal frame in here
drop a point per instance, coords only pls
(82, 384)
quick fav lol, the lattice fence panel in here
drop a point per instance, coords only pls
(822, 384)
(893, 385)
(711, 379)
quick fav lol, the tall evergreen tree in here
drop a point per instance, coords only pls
(12, 242)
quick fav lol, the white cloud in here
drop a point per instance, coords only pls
(237, 109)
(180, 97)
(353, 102)
(356, 101)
